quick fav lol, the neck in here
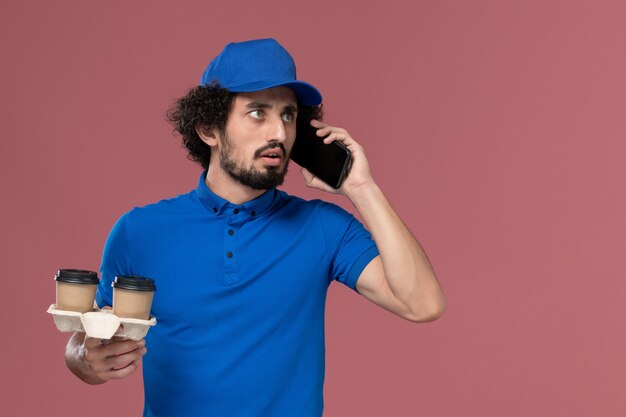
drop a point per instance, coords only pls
(223, 185)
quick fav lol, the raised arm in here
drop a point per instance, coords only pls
(401, 279)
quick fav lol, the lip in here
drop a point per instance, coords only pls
(272, 161)
(276, 151)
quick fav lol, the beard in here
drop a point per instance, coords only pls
(252, 177)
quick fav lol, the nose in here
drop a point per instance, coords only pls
(276, 130)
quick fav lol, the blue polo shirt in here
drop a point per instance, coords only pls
(241, 292)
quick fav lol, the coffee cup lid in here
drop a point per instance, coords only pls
(134, 283)
(77, 276)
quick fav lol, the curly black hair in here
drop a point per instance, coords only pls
(209, 106)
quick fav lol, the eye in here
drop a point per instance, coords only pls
(256, 114)
(289, 117)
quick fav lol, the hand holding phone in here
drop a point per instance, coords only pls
(329, 162)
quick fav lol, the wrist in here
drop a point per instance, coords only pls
(362, 192)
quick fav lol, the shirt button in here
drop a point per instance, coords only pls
(229, 254)
(253, 213)
(231, 232)
(214, 209)
(236, 211)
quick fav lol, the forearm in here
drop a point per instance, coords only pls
(74, 359)
(408, 271)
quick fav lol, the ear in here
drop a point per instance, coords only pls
(208, 136)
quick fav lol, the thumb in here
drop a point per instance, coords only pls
(313, 182)
(308, 177)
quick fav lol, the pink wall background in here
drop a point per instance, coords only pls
(495, 128)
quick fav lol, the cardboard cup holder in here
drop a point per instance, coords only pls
(100, 323)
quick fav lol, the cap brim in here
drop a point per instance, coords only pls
(306, 93)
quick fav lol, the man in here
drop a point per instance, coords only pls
(242, 269)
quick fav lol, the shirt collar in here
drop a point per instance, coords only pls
(219, 206)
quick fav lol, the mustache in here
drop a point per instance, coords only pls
(269, 146)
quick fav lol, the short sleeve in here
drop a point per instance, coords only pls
(115, 261)
(348, 243)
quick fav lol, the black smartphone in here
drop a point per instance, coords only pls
(328, 162)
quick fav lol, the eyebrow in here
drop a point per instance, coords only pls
(258, 105)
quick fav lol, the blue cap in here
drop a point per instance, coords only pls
(257, 65)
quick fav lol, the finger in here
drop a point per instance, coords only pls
(121, 373)
(119, 329)
(93, 342)
(122, 361)
(308, 177)
(112, 348)
(118, 339)
(335, 136)
(332, 129)
(323, 131)
(326, 129)
(318, 123)
(121, 347)
(114, 363)
(347, 140)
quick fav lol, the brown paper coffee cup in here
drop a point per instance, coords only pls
(76, 289)
(132, 296)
